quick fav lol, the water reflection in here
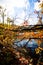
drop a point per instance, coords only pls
(21, 43)
(32, 43)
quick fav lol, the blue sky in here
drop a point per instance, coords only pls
(17, 7)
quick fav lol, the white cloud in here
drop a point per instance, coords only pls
(22, 15)
(37, 5)
(33, 21)
(16, 3)
(11, 4)
(41, 0)
(19, 21)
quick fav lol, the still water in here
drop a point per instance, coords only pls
(28, 44)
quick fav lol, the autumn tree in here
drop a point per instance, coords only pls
(8, 21)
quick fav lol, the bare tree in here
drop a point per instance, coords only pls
(40, 13)
(2, 13)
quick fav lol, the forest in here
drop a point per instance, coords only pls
(21, 45)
